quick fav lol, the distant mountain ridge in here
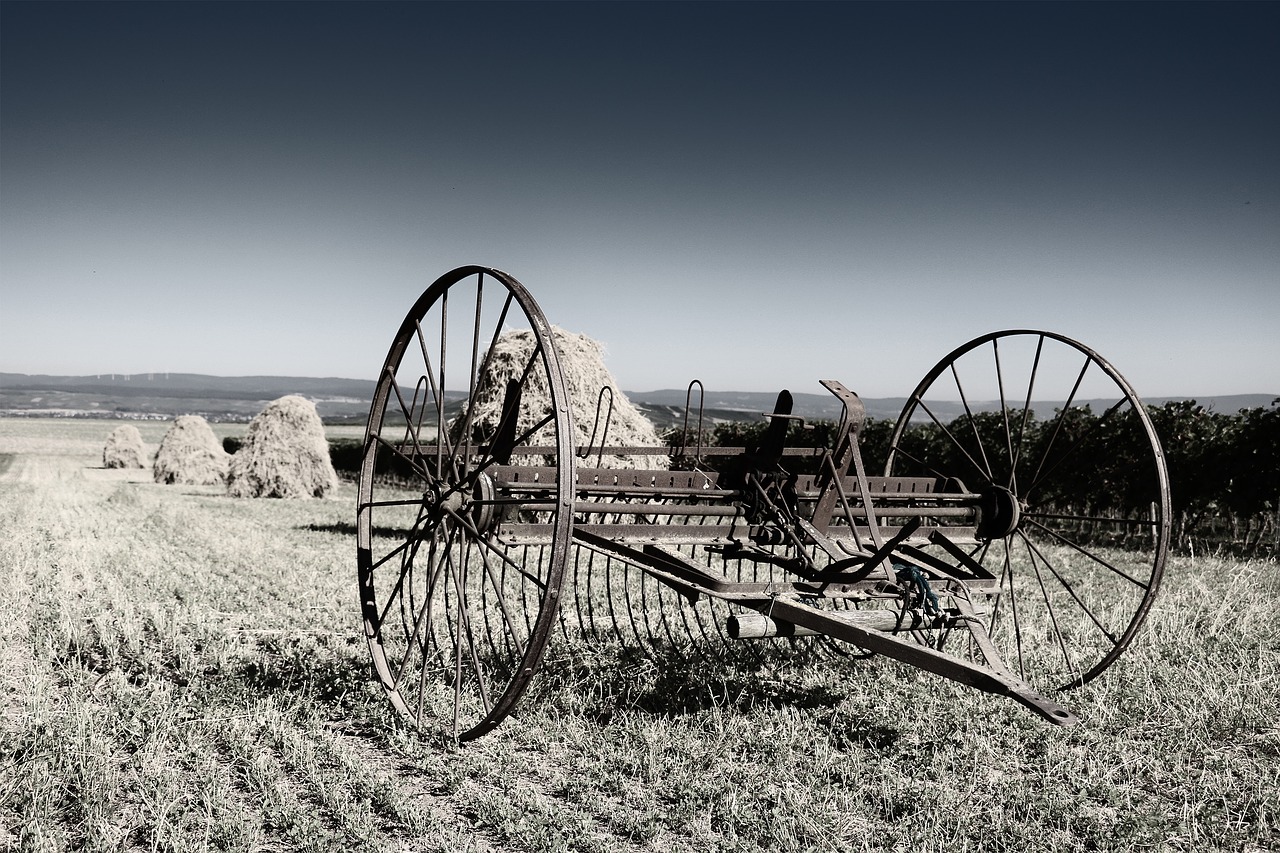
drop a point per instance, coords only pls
(242, 397)
(142, 395)
(191, 384)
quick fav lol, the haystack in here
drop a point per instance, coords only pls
(284, 455)
(190, 454)
(124, 448)
(582, 360)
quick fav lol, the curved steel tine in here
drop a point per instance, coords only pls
(684, 434)
(604, 435)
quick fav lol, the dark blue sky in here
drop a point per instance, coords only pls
(759, 195)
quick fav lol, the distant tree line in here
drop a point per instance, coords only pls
(1224, 469)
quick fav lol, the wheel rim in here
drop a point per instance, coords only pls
(1075, 576)
(457, 616)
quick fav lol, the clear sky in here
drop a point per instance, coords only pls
(756, 195)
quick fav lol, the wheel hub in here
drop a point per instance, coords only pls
(999, 512)
(476, 504)
(483, 514)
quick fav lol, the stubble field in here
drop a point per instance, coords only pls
(180, 670)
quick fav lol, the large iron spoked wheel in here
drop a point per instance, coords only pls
(1077, 495)
(456, 616)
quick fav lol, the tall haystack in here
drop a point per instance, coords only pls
(124, 448)
(285, 454)
(190, 454)
(582, 360)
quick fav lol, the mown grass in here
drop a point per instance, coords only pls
(184, 671)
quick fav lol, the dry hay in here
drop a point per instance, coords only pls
(582, 360)
(124, 448)
(285, 454)
(191, 455)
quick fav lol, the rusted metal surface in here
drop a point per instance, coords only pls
(491, 535)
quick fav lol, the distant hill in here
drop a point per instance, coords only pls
(141, 395)
(239, 398)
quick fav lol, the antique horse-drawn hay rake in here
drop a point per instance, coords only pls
(484, 527)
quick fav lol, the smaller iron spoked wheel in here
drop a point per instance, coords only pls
(457, 617)
(1065, 454)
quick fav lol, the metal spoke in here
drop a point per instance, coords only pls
(1072, 592)
(1012, 484)
(1079, 442)
(412, 640)
(920, 462)
(489, 460)
(408, 416)
(528, 434)
(481, 540)
(1013, 609)
(1086, 552)
(948, 434)
(437, 392)
(500, 598)
(1005, 569)
(408, 459)
(973, 425)
(484, 365)
(1062, 414)
(386, 557)
(457, 660)
(472, 375)
(407, 564)
(1004, 406)
(404, 502)
(464, 621)
(1032, 553)
(1101, 519)
(463, 439)
(408, 551)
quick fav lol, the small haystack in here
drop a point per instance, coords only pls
(582, 360)
(284, 455)
(124, 448)
(191, 455)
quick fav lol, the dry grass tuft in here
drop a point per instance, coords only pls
(124, 448)
(191, 455)
(582, 360)
(284, 455)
